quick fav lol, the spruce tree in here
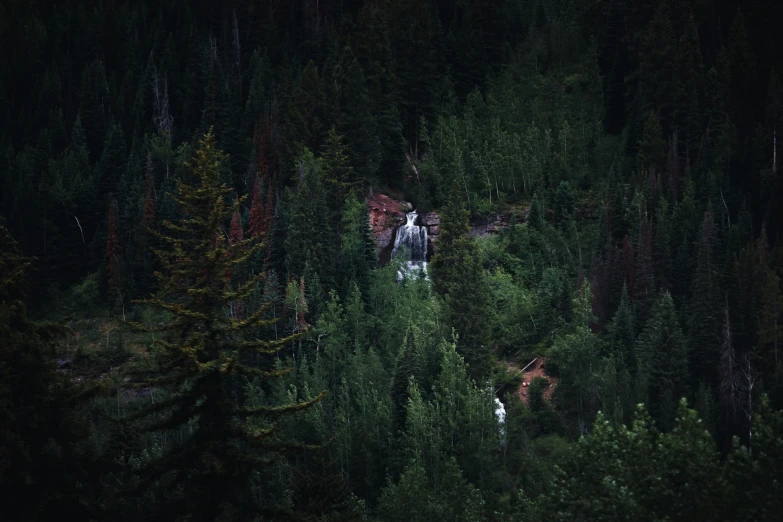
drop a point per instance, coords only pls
(310, 237)
(205, 355)
(704, 322)
(408, 369)
(458, 276)
(663, 360)
(563, 203)
(41, 474)
(622, 335)
(304, 120)
(357, 257)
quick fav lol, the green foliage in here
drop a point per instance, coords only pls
(40, 426)
(206, 357)
(457, 276)
(563, 204)
(646, 136)
(309, 237)
(662, 356)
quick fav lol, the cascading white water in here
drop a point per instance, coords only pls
(500, 415)
(412, 239)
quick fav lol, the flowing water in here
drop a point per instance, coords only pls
(411, 241)
(500, 415)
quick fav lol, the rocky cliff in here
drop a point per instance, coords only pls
(386, 215)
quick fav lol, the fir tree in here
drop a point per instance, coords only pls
(39, 430)
(563, 203)
(622, 335)
(651, 154)
(309, 238)
(338, 172)
(704, 325)
(457, 276)
(303, 125)
(355, 121)
(357, 256)
(644, 283)
(205, 358)
(663, 359)
(408, 369)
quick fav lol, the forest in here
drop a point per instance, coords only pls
(391, 260)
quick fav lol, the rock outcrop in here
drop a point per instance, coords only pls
(386, 214)
(490, 225)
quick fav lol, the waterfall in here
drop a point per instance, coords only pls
(412, 239)
(500, 415)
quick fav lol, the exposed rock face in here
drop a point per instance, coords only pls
(430, 219)
(491, 225)
(386, 214)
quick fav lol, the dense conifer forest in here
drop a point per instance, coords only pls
(391, 260)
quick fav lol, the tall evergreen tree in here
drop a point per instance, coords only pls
(41, 473)
(206, 357)
(704, 323)
(408, 370)
(663, 360)
(457, 276)
(310, 237)
(304, 120)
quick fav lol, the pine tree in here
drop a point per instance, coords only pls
(730, 379)
(651, 155)
(622, 335)
(303, 124)
(704, 323)
(457, 275)
(207, 356)
(355, 120)
(564, 203)
(113, 162)
(374, 53)
(93, 110)
(644, 283)
(535, 218)
(408, 368)
(689, 77)
(38, 429)
(310, 238)
(657, 53)
(338, 172)
(357, 257)
(663, 359)
(662, 255)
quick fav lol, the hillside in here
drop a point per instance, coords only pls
(480, 260)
